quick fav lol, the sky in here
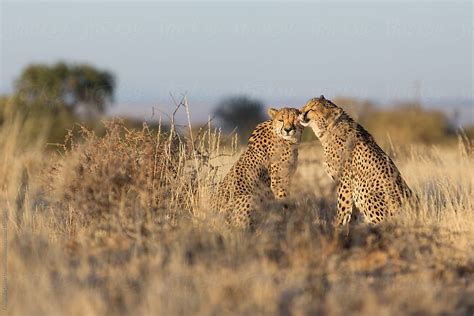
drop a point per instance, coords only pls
(281, 53)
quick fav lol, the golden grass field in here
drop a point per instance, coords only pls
(120, 224)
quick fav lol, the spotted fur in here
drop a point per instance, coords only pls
(365, 174)
(263, 172)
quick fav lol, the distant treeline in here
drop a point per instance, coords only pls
(399, 124)
(49, 99)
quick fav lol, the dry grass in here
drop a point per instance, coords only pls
(120, 224)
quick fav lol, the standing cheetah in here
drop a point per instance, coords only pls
(264, 170)
(365, 174)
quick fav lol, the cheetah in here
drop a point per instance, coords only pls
(364, 173)
(263, 171)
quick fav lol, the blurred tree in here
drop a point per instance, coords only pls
(80, 88)
(241, 112)
(408, 123)
(49, 99)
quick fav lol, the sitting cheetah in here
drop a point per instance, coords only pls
(264, 170)
(365, 174)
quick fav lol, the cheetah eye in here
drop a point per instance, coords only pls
(280, 120)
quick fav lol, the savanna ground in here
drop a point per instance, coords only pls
(120, 224)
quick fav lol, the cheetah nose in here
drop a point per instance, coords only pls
(288, 130)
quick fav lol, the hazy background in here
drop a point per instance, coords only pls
(281, 53)
(117, 217)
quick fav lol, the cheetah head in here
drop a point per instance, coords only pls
(319, 114)
(286, 123)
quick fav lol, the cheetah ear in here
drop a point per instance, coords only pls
(272, 112)
(322, 98)
(339, 112)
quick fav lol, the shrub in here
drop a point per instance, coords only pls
(130, 175)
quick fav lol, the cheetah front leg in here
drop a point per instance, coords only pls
(279, 181)
(344, 200)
